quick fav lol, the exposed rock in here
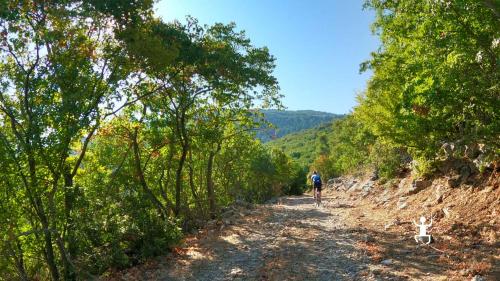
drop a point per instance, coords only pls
(483, 162)
(334, 181)
(447, 150)
(402, 203)
(446, 212)
(418, 185)
(453, 181)
(462, 169)
(384, 197)
(396, 221)
(387, 226)
(464, 272)
(387, 262)
(368, 239)
(272, 201)
(351, 185)
(340, 187)
(440, 190)
(493, 237)
(236, 272)
(465, 172)
(228, 214)
(336, 184)
(422, 183)
(472, 151)
(367, 186)
(402, 186)
(478, 278)
(244, 204)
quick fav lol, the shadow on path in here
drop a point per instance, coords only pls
(295, 241)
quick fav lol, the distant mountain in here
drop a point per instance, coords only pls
(290, 121)
(304, 146)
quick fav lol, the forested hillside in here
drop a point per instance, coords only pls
(306, 145)
(284, 122)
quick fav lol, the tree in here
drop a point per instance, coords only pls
(60, 65)
(214, 85)
(100, 134)
(436, 75)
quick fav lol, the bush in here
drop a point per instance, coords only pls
(385, 159)
(298, 182)
(422, 166)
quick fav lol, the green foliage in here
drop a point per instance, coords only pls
(325, 166)
(422, 166)
(57, 72)
(303, 146)
(110, 147)
(287, 122)
(350, 145)
(291, 176)
(268, 174)
(385, 159)
(436, 77)
(435, 80)
(298, 182)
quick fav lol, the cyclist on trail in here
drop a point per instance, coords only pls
(316, 180)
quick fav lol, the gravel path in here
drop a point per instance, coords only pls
(292, 240)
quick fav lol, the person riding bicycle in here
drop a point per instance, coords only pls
(317, 184)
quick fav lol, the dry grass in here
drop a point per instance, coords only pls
(475, 267)
(376, 252)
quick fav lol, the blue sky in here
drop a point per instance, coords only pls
(318, 44)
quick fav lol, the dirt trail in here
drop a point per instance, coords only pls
(294, 240)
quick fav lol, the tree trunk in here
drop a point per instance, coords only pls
(210, 183)
(193, 187)
(19, 261)
(49, 250)
(68, 269)
(178, 179)
(183, 137)
(20, 266)
(140, 173)
(70, 240)
(38, 205)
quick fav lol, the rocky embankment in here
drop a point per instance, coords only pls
(464, 205)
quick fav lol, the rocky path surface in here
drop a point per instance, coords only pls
(294, 240)
(288, 241)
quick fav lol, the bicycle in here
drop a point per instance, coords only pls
(317, 196)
